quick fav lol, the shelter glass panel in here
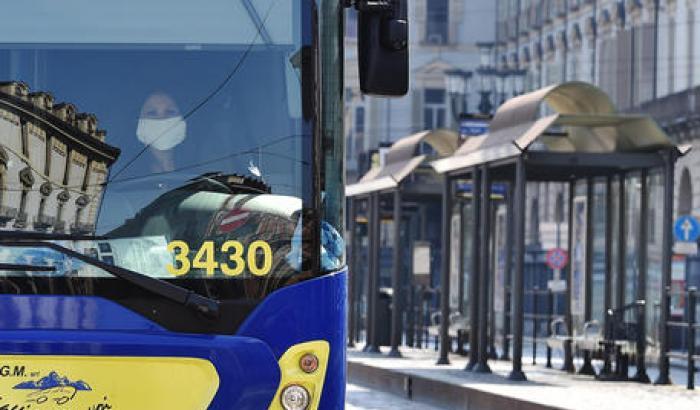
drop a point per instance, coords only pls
(613, 214)
(578, 257)
(653, 290)
(598, 282)
(632, 199)
(467, 257)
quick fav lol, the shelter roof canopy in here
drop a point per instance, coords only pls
(573, 117)
(402, 159)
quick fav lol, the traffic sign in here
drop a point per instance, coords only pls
(557, 258)
(472, 127)
(687, 228)
(556, 285)
(685, 248)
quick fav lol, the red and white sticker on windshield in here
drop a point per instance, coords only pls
(233, 220)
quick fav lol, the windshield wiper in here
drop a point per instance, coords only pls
(229, 183)
(206, 306)
(14, 267)
(46, 236)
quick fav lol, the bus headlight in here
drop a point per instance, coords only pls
(309, 363)
(295, 397)
(302, 372)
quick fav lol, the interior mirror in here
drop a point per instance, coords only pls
(382, 44)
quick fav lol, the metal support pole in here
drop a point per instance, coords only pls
(550, 318)
(410, 316)
(396, 279)
(666, 244)
(482, 365)
(493, 354)
(517, 291)
(373, 294)
(692, 301)
(445, 274)
(607, 295)
(368, 279)
(460, 278)
(621, 361)
(411, 309)
(641, 374)
(352, 276)
(535, 323)
(587, 367)
(474, 271)
(460, 260)
(508, 273)
(420, 314)
(568, 354)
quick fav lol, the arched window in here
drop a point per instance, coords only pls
(685, 193)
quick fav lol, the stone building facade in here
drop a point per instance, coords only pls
(644, 53)
(443, 36)
(53, 163)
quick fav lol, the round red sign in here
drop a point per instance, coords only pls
(557, 258)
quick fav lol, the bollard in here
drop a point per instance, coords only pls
(411, 315)
(420, 319)
(535, 325)
(692, 300)
(641, 375)
(550, 318)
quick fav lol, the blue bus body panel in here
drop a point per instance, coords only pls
(311, 310)
(246, 363)
(47, 312)
(248, 372)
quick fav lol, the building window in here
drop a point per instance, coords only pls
(359, 130)
(351, 23)
(436, 26)
(671, 55)
(434, 108)
(356, 135)
(359, 120)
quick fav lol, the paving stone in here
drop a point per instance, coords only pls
(545, 386)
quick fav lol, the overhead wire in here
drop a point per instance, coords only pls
(211, 94)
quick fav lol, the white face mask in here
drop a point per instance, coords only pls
(162, 134)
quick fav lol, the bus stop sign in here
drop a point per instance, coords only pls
(686, 228)
(557, 258)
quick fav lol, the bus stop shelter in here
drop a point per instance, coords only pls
(562, 133)
(404, 175)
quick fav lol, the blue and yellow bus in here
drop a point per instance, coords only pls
(171, 196)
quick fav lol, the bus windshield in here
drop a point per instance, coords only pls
(176, 134)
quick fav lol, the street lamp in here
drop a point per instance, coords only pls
(503, 75)
(518, 78)
(486, 72)
(486, 88)
(485, 53)
(457, 85)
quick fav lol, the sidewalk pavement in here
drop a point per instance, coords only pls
(417, 377)
(364, 398)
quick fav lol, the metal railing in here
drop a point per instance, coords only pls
(538, 317)
(691, 326)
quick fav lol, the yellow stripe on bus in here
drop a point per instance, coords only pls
(106, 382)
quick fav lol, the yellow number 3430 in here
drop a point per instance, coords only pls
(206, 258)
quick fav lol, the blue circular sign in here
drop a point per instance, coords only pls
(687, 228)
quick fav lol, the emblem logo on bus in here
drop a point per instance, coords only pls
(52, 389)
